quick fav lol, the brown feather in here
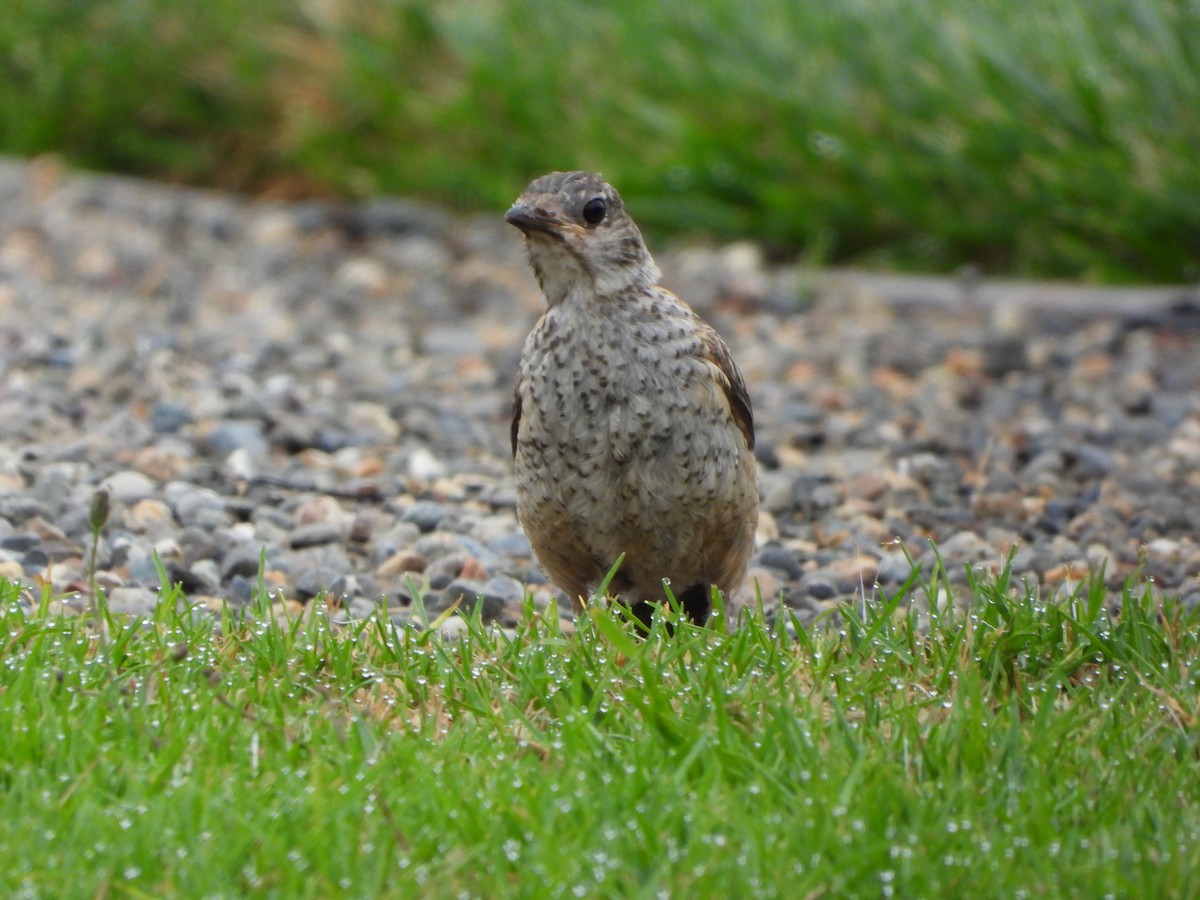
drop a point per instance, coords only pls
(717, 352)
(516, 416)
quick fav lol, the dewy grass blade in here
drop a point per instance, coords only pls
(599, 760)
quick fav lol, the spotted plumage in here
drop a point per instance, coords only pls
(632, 429)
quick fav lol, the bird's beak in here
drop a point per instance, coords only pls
(532, 218)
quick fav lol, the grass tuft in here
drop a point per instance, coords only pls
(1056, 139)
(1035, 745)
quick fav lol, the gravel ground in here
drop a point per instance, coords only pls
(327, 387)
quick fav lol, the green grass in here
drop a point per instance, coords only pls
(1055, 138)
(1037, 747)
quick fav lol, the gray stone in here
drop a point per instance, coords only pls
(21, 542)
(425, 514)
(511, 546)
(443, 571)
(469, 595)
(198, 507)
(54, 484)
(819, 586)
(167, 416)
(894, 568)
(128, 487)
(775, 557)
(207, 574)
(310, 583)
(504, 589)
(244, 560)
(314, 535)
(132, 601)
(238, 434)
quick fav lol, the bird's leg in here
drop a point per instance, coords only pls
(696, 602)
(643, 614)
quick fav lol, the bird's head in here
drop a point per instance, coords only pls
(581, 241)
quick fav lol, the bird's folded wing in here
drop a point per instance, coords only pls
(717, 352)
(516, 416)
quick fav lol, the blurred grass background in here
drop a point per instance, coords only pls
(1058, 139)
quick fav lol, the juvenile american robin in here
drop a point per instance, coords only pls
(632, 429)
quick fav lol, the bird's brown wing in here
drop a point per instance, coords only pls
(516, 416)
(717, 352)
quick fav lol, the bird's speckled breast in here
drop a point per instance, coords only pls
(623, 424)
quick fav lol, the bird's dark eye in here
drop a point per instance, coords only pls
(594, 211)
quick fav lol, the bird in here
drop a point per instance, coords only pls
(632, 428)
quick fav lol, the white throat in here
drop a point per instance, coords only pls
(564, 277)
